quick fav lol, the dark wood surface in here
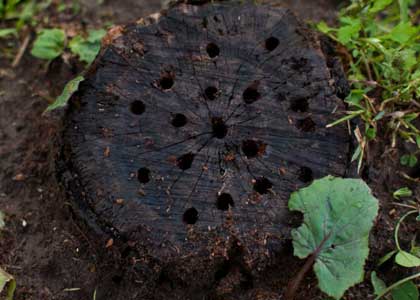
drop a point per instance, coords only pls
(192, 130)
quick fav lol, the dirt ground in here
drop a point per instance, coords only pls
(53, 256)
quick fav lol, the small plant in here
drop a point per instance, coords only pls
(338, 216)
(7, 282)
(381, 48)
(402, 193)
(51, 43)
(22, 12)
(404, 288)
(70, 88)
(409, 160)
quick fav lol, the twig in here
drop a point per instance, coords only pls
(21, 51)
(415, 103)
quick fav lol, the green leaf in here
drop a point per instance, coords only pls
(7, 31)
(418, 140)
(88, 48)
(404, 9)
(379, 116)
(49, 44)
(68, 90)
(406, 259)
(350, 31)
(378, 285)
(323, 27)
(2, 223)
(386, 257)
(402, 33)
(370, 133)
(409, 58)
(402, 192)
(356, 153)
(415, 250)
(95, 36)
(355, 97)
(379, 5)
(7, 281)
(338, 216)
(409, 160)
(405, 291)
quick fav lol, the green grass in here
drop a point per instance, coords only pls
(381, 44)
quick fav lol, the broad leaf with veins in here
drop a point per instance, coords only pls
(338, 215)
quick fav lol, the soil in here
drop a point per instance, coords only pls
(55, 256)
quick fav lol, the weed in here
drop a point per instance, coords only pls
(381, 48)
(408, 259)
(338, 216)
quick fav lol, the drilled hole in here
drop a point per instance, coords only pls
(213, 50)
(219, 128)
(185, 161)
(117, 279)
(271, 43)
(250, 148)
(251, 95)
(281, 97)
(299, 105)
(262, 185)
(137, 107)
(190, 216)
(166, 82)
(224, 201)
(179, 120)
(211, 93)
(306, 125)
(143, 175)
(305, 174)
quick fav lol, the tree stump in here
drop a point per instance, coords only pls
(193, 127)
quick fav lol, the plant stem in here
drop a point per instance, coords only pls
(397, 228)
(295, 282)
(398, 283)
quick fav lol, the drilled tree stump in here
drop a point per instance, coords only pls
(191, 130)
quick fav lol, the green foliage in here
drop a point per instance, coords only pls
(402, 192)
(406, 290)
(2, 223)
(409, 160)
(338, 216)
(383, 67)
(402, 257)
(49, 44)
(22, 12)
(70, 88)
(378, 285)
(5, 32)
(87, 48)
(407, 260)
(403, 289)
(7, 284)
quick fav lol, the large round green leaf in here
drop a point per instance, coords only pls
(338, 216)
